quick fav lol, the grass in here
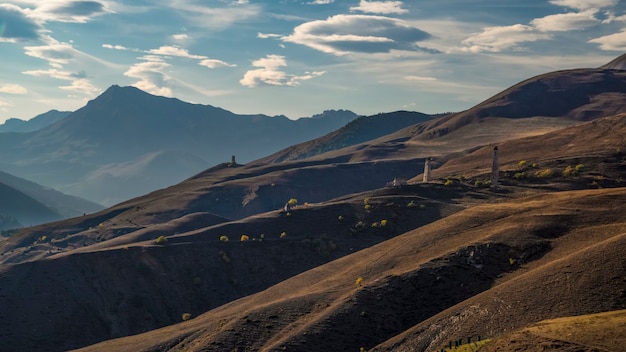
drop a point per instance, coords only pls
(468, 347)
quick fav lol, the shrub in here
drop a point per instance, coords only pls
(245, 238)
(519, 175)
(569, 170)
(359, 281)
(161, 240)
(292, 201)
(411, 204)
(579, 167)
(383, 222)
(340, 218)
(186, 316)
(283, 234)
(478, 183)
(375, 224)
(448, 182)
(521, 165)
(224, 238)
(545, 173)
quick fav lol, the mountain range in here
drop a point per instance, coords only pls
(337, 244)
(127, 143)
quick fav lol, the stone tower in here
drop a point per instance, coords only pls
(495, 167)
(426, 169)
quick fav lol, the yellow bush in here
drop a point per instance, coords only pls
(283, 234)
(224, 238)
(358, 281)
(545, 173)
(244, 238)
(161, 240)
(186, 316)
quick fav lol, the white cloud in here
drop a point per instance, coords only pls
(343, 34)
(13, 89)
(381, 7)
(69, 11)
(610, 17)
(168, 50)
(419, 78)
(181, 36)
(566, 21)
(495, 39)
(57, 54)
(267, 35)
(269, 73)
(215, 17)
(612, 42)
(213, 63)
(115, 47)
(150, 75)
(79, 83)
(321, 2)
(584, 4)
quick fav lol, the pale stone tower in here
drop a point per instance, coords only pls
(495, 167)
(426, 169)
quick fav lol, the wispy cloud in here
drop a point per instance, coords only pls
(150, 75)
(584, 4)
(213, 63)
(566, 21)
(269, 73)
(69, 11)
(380, 7)
(16, 26)
(321, 2)
(214, 17)
(612, 42)
(78, 82)
(496, 39)
(343, 34)
(13, 89)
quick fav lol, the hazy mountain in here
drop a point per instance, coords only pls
(18, 209)
(25, 203)
(90, 152)
(36, 123)
(362, 129)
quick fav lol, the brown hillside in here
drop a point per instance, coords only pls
(593, 332)
(567, 261)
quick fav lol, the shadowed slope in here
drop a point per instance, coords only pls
(453, 260)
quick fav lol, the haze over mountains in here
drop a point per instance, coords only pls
(127, 142)
(213, 264)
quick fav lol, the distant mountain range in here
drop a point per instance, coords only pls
(36, 123)
(127, 142)
(25, 203)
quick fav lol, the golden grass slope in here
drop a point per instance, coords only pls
(450, 279)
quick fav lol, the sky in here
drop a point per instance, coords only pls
(295, 57)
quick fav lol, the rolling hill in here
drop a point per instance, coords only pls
(214, 263)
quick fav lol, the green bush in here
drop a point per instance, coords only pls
(161, 240)
(545, 173)
(448, 182)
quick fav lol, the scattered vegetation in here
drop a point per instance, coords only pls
(186, 316)
(245, 238)
(292, 201)
(224, 238)
(367, 205)
(340, 218)
(283, 235)
(359, 281)
(161, 240)
(411, 204)
(448, 182)
(545, 173)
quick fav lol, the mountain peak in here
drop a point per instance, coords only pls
(617, 64)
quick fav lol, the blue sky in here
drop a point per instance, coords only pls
(295, 58)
